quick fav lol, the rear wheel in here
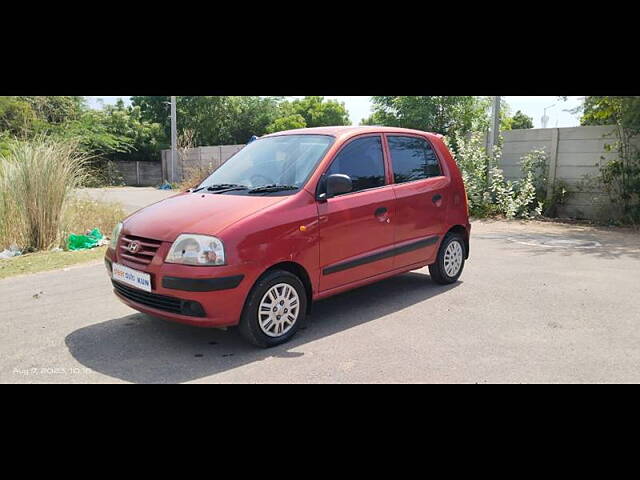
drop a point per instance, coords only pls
(450, 261)
(274, 310)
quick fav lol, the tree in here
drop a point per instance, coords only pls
(56, 109)
(235, 119)
(612, 110)
(290, 122)
(620, 177)
(445, 115)
(24, 117)
(16, 117)
(252, 115)
(215, 120)
(309, 112)
(154, 109)
(318, 112)
(521, 121)
(117, 132)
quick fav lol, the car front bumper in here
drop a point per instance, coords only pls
(200, 296)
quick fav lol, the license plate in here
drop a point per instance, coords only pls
(132, 277)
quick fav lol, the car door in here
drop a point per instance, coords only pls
(421, 191)
(356, 228)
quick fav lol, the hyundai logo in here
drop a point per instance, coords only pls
(134, 247)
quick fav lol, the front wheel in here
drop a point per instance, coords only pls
(274, 310)
(450, 261)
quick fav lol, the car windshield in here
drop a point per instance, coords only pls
(286, 160)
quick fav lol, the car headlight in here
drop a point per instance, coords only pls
(201, 250)
(115, 236)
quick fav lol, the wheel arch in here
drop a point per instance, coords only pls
(462, 230)
(297, 270)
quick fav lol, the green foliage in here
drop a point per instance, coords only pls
(138, 138)
(211, 118)
(290, 122)
(620, 178)
(113, 133)
(16, 117)
(224, 120)
(451, 116)
(93, 134)
(447, 115)
(251, 115)
(521, 121)
(56, 109)
(113, 130)
(474, 163)
(215, 120)
(522, 198)
(489, 193)
(613, 110)
(317, 112)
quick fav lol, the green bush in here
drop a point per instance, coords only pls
(489, 193)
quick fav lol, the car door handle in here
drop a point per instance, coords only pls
(381, 211)
(436, 198)
(382, 214)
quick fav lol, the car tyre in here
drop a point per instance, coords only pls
(450, 261)
(274, 310)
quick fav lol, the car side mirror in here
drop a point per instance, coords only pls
(338, 184)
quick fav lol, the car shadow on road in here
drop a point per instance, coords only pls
(142, 349)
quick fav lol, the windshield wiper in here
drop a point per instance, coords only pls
(273, 188)
(221, 188)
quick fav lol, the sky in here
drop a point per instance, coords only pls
(360, 107)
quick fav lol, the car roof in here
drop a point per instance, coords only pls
(350, 131)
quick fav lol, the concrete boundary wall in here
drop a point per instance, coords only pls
(140, 174)
(151, 174)
(206, 159)
(574, 154)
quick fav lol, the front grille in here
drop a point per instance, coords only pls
(159, 302)
(144, 256)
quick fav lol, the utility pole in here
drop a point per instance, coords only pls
(494, 132)
(174, 137)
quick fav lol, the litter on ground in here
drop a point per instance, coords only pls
(92, 239)
(12, 251)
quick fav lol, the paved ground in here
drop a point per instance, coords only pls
(537, 303)
(131, 198)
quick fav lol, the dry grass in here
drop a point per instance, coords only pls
(36, 180)
(194, 176)
(81, 216)
(37, 208)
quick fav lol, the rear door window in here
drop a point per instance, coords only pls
(363, 161)
(413, 159)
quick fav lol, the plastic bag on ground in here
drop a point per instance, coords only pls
(84, 242)
(12, 251)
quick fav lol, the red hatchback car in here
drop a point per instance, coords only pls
(294, 217)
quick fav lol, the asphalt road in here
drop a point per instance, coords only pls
(537, 303)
